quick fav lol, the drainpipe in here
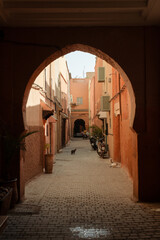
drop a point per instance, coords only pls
(120, 107)
(94, 97)
(50, 79)
(106, 135)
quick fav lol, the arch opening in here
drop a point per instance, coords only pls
(80, 124)
(79, 127)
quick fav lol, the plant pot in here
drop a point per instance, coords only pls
(48, 163)
(5, 200)
(12, 184)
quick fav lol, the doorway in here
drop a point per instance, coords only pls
(79, 127)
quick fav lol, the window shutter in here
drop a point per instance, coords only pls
(101, 74)
(105, 104)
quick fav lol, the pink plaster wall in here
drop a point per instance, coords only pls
(79, 88)
(33, 161)
(116, 119)
(96, 93)
(124, 137)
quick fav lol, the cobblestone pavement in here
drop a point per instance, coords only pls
(84, 198)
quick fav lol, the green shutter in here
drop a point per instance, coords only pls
(101, 74)
(105, 104)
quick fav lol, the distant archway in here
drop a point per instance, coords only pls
(79, 127)
(105, 57)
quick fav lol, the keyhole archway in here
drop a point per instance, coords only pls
(79, 127)
(113, 63)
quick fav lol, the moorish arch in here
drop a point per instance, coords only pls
(79, 127)
(108, 59)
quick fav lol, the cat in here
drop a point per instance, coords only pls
(73, 151)
(114, 164)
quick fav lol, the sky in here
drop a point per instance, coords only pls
(79, 63)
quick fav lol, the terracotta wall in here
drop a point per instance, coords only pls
(79, 88)
(33, 161)
(116, 139)
(66, 132)
(116, 118)
(124, 137)
(92, 100)
(98, 90)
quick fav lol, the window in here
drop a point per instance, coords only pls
(71, 99)
(59, 80)
(79, 100)
(101, 74)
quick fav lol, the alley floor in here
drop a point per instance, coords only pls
(84, 198)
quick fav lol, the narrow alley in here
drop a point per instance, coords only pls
(84, 198)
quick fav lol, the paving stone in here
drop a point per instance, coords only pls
(83, 199)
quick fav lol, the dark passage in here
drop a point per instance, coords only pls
(79, 127)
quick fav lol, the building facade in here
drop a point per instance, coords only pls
(79, 106)
(48, 112)
(110, 110)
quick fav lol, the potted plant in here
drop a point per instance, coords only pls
(96, 131)
(11, 145)
(48, 159)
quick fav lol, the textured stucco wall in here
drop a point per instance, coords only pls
(33, 161)
(128, 138)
